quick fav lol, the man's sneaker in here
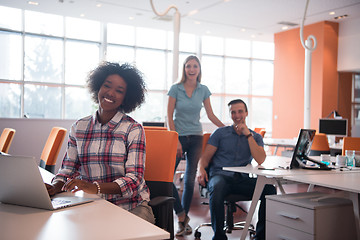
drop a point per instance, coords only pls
(188, 229)
(182, 226)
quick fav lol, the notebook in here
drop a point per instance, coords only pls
(21, 184)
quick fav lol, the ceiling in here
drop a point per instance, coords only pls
(244, 19)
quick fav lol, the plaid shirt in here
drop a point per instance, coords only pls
(113, 152)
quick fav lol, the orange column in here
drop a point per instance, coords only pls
(288, 98)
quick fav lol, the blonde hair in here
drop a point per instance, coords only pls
(191, 57)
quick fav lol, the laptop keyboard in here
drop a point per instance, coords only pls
(57, 202)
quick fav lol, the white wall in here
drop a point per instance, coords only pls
(349, 46)
(31, 135)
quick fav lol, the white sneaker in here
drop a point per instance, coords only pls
(183, 227)
(188, 229)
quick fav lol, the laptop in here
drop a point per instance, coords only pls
(300, 158)
(21, 184)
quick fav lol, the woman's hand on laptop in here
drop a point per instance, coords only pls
(54, 188)
(74, 185)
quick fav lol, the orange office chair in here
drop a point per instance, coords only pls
(6, 138)
(351, 143)
(205, 140)
(154, 128)
(260, 131)
(51, 149)
(320, 145)
(161, 149)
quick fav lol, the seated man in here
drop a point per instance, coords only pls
(232, 146)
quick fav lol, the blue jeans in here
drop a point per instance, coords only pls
(220, 186)
(191, 145)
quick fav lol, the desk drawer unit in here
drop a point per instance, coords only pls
(305, 216)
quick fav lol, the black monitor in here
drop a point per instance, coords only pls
(336, 126)
(302, 150)
(154, 124)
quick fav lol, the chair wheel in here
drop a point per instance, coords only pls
(197, 235)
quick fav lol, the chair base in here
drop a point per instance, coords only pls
(227, 229)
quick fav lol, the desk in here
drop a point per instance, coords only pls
(96, 220)
(275, 177)
(335, 149)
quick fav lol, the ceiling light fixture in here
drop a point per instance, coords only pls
(193, 12)
(341, 17)
(98, 5)
(331, 13)
(82, 15)
(284, 27)
(131, 18)
(33, 3)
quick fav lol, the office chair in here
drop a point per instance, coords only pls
(260, 131)
(320, 145)
(6, 138)
(161, 149)
(230, 206)
(154, 128)
(350, 143)
(52, 148)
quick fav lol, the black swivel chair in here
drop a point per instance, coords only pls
(230, 208)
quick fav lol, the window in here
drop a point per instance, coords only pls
(154, 73)
(262, 78)
(80, 58)
(82, 29)
(10, 100)
(10, 18)
(120, 34)
(11, 56)
(43, 23)
(212, 71)
(237, 76)
(45, 60)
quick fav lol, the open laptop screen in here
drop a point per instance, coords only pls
(302, 150)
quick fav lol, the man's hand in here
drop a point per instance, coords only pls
(202, 176)
(241, 128)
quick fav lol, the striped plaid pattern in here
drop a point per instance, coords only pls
(113, 152)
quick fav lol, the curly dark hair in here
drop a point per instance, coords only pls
(135, 90)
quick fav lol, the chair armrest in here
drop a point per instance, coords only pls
(156, 201)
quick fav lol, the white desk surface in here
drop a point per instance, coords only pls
(277, 163)
(347, 181)
(283, 142)
(317, 177)
(95, 220)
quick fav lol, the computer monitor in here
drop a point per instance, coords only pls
(154, 124)
(302, 150)
(333, 126)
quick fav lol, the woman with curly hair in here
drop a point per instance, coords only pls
(106, 151)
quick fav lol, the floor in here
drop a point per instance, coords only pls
(199, 213)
